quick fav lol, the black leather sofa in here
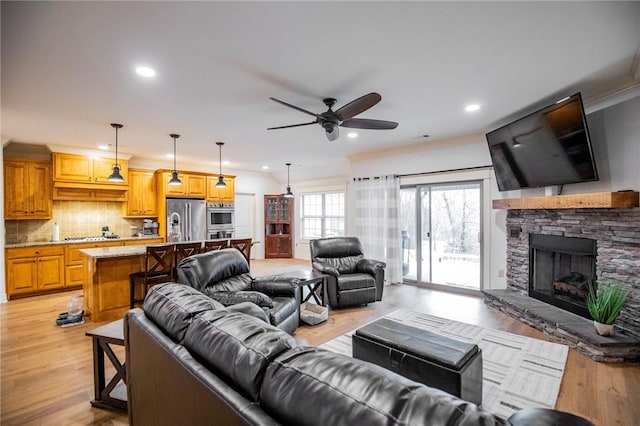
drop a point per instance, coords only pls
(352, 279)
(192, 361)
(224, 276)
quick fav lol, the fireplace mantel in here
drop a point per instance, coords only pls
(595, 200)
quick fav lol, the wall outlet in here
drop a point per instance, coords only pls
(500, 273)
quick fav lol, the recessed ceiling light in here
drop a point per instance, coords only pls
(103, 147)
(352, 135)
(169, 155)
(265, 167)
(472, 107)
(226, 162)
(146, 72)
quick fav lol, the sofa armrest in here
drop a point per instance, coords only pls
(326, 269)
(276, 285)
(370, 266)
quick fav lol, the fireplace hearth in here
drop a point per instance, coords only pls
(561, 270)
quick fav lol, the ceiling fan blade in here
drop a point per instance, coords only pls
(294, 107)
(292, 125)
(333, 134)
(357, 106)
(366, 123)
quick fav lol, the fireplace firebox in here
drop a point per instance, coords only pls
(561, 269)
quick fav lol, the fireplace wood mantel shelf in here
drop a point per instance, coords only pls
(595, 200)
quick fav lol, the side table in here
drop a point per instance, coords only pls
(313, 280)
(114, 393)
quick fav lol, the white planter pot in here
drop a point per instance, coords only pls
(603, 329)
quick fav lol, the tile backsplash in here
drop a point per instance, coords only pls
(76, 219)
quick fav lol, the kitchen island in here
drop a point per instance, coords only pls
(106, 287)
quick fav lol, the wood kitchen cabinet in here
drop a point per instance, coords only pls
(221, 195)
(27, 189)
(278, 222)
(193, 185)
(34, 270)
(85, 170)
(141, 201)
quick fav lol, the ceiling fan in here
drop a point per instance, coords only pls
(343, 117)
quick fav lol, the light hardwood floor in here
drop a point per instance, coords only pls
(47, 371)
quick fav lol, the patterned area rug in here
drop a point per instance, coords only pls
(518, 372)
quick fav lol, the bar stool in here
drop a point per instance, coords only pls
(158, 268)
(244, 245)
(213, 245)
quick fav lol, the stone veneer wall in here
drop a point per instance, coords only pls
(617, 233)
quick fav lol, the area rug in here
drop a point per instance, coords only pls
(518, 372)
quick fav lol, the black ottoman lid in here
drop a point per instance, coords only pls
(423, 344)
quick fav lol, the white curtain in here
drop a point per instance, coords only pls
(373, 217)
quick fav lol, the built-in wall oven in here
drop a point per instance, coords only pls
(220, 220)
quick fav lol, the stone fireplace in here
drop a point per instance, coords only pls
(561, 271)
(600, 244)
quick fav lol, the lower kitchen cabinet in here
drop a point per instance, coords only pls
(34, 270)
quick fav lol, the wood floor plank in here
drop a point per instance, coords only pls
(47, 371)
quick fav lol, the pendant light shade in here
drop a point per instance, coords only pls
(288, 194)
(115, 173)
(175, 180)
(220, 183)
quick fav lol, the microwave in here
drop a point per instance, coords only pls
(220, 215)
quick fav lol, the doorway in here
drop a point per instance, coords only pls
(441, 234)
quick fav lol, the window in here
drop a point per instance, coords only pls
(322, 215)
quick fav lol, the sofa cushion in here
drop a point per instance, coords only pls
(343, 391)
(237, 346)
(173, 306)
(355, 281)
(228, 298)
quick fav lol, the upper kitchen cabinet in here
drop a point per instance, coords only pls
(142, 194)
(221, 195)
(27, 189)
(81, 178)
(84, 170)
(193, 185)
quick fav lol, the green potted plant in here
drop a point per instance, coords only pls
(605, 306)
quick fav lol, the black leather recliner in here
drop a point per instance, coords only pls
(353, 280)
(223, 275)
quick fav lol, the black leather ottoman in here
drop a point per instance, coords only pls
(437, 361)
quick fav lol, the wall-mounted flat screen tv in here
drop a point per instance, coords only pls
(548, 147)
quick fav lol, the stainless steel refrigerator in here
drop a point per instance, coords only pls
(186, 219)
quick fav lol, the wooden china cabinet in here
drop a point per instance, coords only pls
(278, 224)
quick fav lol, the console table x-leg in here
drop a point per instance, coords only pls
(114, 393)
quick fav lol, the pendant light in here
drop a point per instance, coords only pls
(288, 194)
(220, 183)
(175, 180)
(115, 174)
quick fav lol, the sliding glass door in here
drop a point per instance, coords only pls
(441, 234)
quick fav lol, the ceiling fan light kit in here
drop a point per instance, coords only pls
(115, 175)
(221, 183)
(175, 180)
(344, 117)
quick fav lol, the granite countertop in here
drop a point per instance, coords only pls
(114, 251)
(52, 243)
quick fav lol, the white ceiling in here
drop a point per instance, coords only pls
(68, 71)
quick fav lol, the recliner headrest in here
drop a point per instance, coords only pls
(201, 269)
(335, 247)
